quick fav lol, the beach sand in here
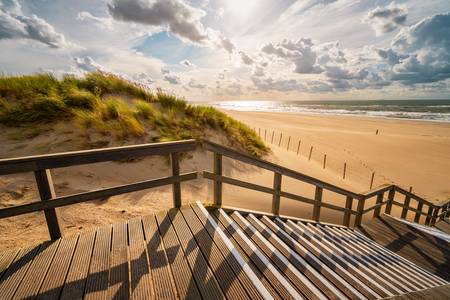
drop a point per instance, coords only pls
(407, 153)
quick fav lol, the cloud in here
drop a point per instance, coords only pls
(424, 51)
(175, 16)
(245, 58)
(187, 63)
(170, 77)
(105, 23)
(15, 25)
(282, 85)
(195, 85)
(387, 19)
(87, 64)
(300, 53)
(144, 78)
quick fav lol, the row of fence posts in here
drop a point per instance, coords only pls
(272, 139)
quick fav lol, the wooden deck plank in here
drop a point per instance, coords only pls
(436, 293)
(54, 281)
(344, 260)
(281, 285)
(443, 225)
(402, 275)
(230, 284)
(79, 267)
(428, 278)
(299, 280)
(325, 257)
(6, 258)
(243, 272)
(267, 284)
(296, 260)
(13, 276)
(397, 272)
(35, 275)
(159, 266)
(327, 269)
(98, 277)
(416, 247)
(376, 266)
(119, 285)
(207, 283)
(141, 284)
(182, 274)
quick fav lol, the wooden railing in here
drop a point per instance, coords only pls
(434, 213)
(43, 164)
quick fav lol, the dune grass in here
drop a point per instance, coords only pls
(115, 107)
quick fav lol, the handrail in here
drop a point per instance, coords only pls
(41, 165)
(213, 147)
(66, 159)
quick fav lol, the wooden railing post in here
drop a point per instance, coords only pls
(347, 214)
(435, 215)
(276, 195)
(418, 212)
(360, 211)
(446, 215)
(377, 210)
(391, 196)
(47, 192)
(176, 188)
(429, 215)
(217, 184)
(406, 205)
(317, 203)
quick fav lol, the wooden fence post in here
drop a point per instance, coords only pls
(418, 212)
(377, 210)
(347, 214)
(265, 132)
(298, 147)
(324, 161)
(371, 180)
(406, 205)
(429, 215)
(279, 142)
(46, 193)
(276, 196)
(217, 184)
(273, 133)
(447, 209)
(360, 211)
(391, 196)
(317, 203)
(259, 132)
(345, 169)
(435, 215)
(310, 152)
(176, 188)
(289, 142)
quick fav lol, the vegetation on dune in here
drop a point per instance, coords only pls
(113, 106)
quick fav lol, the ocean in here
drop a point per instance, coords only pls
(426, 110)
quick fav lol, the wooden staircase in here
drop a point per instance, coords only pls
(211, 253)
(217, 252)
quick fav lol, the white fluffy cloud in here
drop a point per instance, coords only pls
(187, 63)
(88, 64)
(170, 77)
(387, 19)
(14, 24)
(245, 58)
(105, 23)
(175, 16)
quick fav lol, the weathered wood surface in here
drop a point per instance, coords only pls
(194, 253)
(427, 251)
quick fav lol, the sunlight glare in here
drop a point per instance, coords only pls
(240, 8)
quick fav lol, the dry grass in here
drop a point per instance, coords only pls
(116, 107)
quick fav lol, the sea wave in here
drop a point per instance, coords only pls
(413, 110)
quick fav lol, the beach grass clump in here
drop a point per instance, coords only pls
(113, 106)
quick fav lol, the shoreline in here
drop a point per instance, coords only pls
(230, 111)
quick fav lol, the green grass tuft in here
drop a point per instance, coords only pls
(113, 106)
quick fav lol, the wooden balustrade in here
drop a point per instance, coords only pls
(41, 166)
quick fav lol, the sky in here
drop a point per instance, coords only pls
(213, 50)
